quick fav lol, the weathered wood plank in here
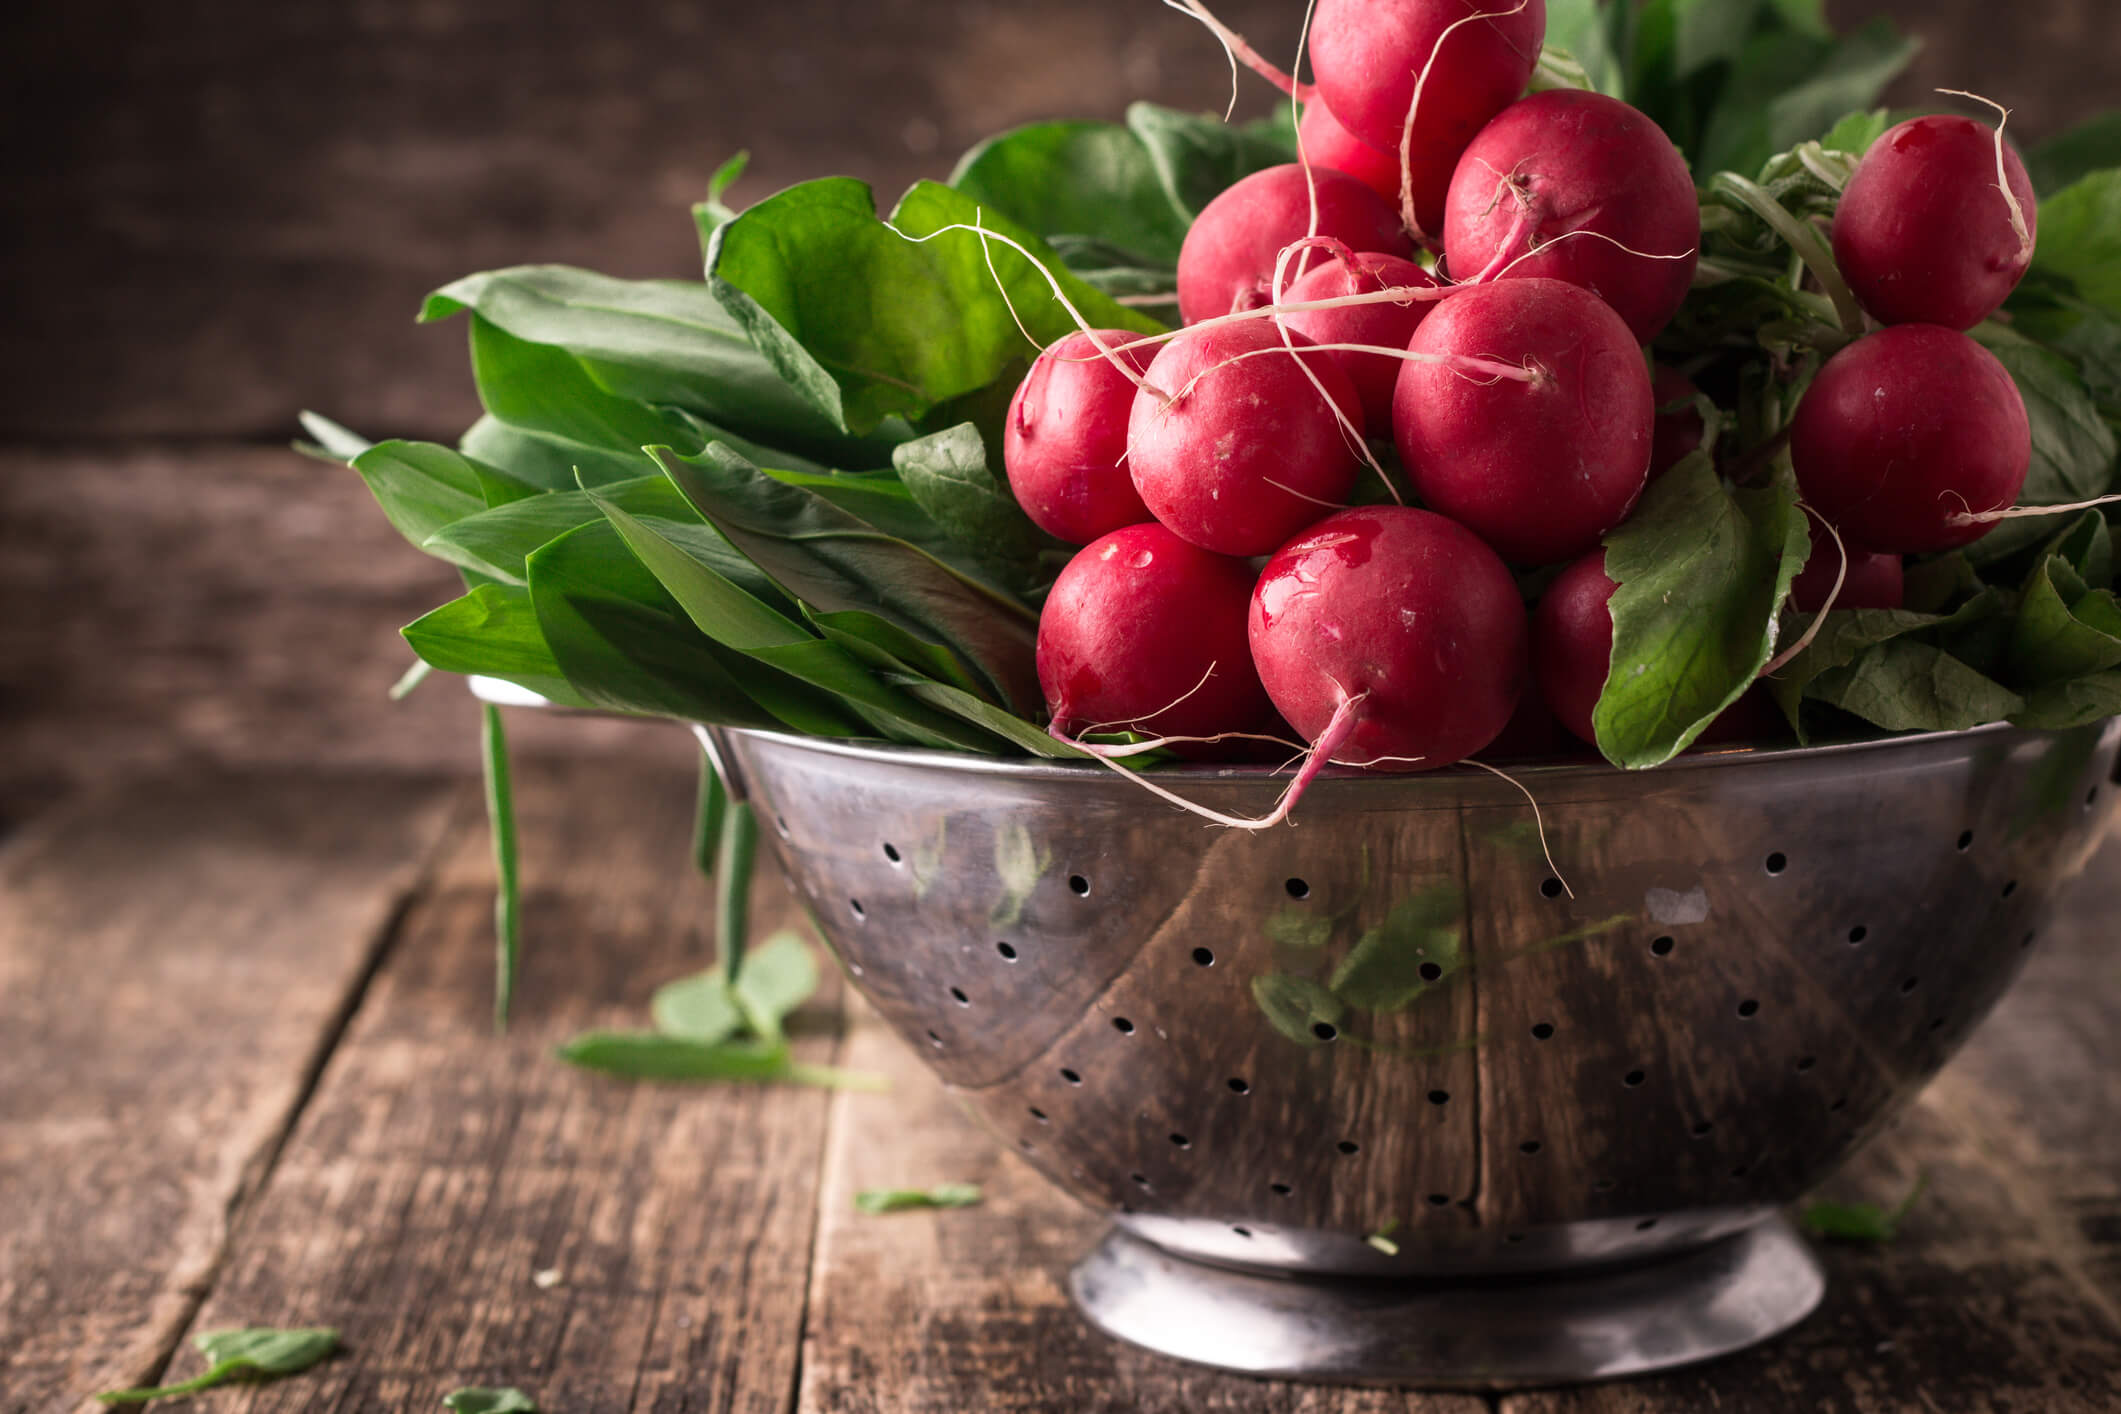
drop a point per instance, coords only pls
(2000, 1292)
(173, 960)
(943, 1313)
(438, 1169)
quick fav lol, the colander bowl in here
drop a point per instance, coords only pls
(1382, 1096)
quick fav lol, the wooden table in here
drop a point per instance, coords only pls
(247, 1076)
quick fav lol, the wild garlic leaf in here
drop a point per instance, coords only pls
(774, 978)
(1079, 179)
(697, 1008)
(1860, 1222)
(489, 1401)
(899, 1200)
(258, 1352)
(492, 632)
(2080, 238)
(639, 1055)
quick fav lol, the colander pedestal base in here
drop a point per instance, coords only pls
(1489, 1333)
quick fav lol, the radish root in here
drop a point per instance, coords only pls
(1407, 212)
(1841, 574)
(2003, 179)
(1238, 51)
(1969, 516)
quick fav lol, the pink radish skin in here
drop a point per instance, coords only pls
(1923, 234)
(1872, 581)
(1369, 54)
(1250, 454)
(1907, 430)
(1388, 632)
(1679, 429)
(1227, 260)
(1326, 143)
(1566, 161)
(1539, 470)
(1379, 325)
(1142, 631)
(1065, 444)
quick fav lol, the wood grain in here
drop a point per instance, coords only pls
(175, 960)
(950, 1312)
(438, 1169)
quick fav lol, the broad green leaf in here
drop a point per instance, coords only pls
(1790, 86)
(834, 561)
(948, 473)
(1580, 27)
(774, 979)
(1703, 570)
(333, 442)
(2072, 704)
(2080, 238)
(1418, 946)
(420, 486)
(867, 319)
(697, 1008)
(1294, 1006)
(1710, 32)
(1858, 132)
(1002, 723)
(257, 1353)
(543, 389)
(550, 462)
(899, 1200)
(886, 647)
(1850, 633)
(2092, 146)
(1905, 685)
(492, 632)
(498, 543)
(2046, 310)
(2056, 640)
(489, 1401)
(646, 1056)
(2073, 447)
(508, 892)
(1093, 180)
(1197, 156)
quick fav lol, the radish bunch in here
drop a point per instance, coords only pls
(1511, 382)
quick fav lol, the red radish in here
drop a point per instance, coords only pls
(1871, 582)
(1227, 260)
(1326, 143)
(1143, 632)
(1370, 55)
(1925, 234)
(1906, 433)
(1246, 452)
(1065, 445)
(1679, 428)
(1378, 325)
(1540, 469)
(1572, 642)
(1391, 636)
(1566, 161)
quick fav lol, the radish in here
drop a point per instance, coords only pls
(1568, 161)
(1908, 438)
(1870, 581)
(1466, 60)
(1381, 325)
(1679, 429)
(1926, 232)
(1065, 444)
(1232, 445)
(1143, 632)
(1390, 636)
(1325, 143)
(1539, 469)
(1227, 260)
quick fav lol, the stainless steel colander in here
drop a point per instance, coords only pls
(1376, 1096)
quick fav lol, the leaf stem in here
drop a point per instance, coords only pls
(1802, 239)
(708, 814)
(732, 884)
(507, 897)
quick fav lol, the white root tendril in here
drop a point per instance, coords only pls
(2019, 228)
(1841, 573)
(1303, 159)
(1238, 51)
(1968, 516)
(1407, 213)
(1591, 235)
(1349, 432)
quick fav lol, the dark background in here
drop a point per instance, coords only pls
(212, 216)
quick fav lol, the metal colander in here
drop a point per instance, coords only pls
(1372, 1096)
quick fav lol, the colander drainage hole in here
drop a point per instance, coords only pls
(1007, 950)
(1663, 947)
(1966, 840)
(2091, 797)
(1203, 957)
(1841, 1103)
(1242, 1231)
(1936, 1023)
(1348, 1146)
(2026, 941)
(1439, 1200)
(1239, 1086)
(1324, 1030)
(1430, 972)
(1123, 1026)
(1551, 888)
(1439, 1097)
(780, 822)
(1704, 1128)
(957, 994)
(1604, 1185)
(1633, 1079)
(2010, 888)
(1748, 1009)
(1280, 1190)
(1140, 1180)
(1741, 1171)
(1180, 1141)
(1805, 1063)
(1908, 987)
(1038, 1114)
(1529, 1147)
(860, 913)
(1857, 934)
(1025, 1145)
(1543, 1031)
(1513, 1238)
(935, 1040)
(1297, 888)
(1646, 1224)
(1079, 886)
(1071, 1076)
(891, 851)
(1777, 862)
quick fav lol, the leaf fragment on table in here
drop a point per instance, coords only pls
(490, 1401)
(899, 1200)
(254, 1353)
(638, 1055)
(1860, 1222)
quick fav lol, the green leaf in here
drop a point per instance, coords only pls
(1418, 946)
(2055, 639)
(2091, 146)
(1907, 685)
(948, 473)
(1197, 156)
(1703, 571)
(645, 1056)
(834, 561)
(1860, 1222)
(1858, 132)
(2045, 309)
(1790, 86)
(2073, 448)
(1294, 1005)
(866, 323)
(543, 389)
(886, 647)
(2072, 704)
(774, 979)
(898, 1200)
(550, 462)
(492, 632)
(420, 486)
(714, 211)
(981, 713)
(1849, 634)
(697, 1008)
(489, 1401)
(330, 441)
(259, 1352)
(498, 543)
(2080, 238)
(1093, 180)
(508, 892)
